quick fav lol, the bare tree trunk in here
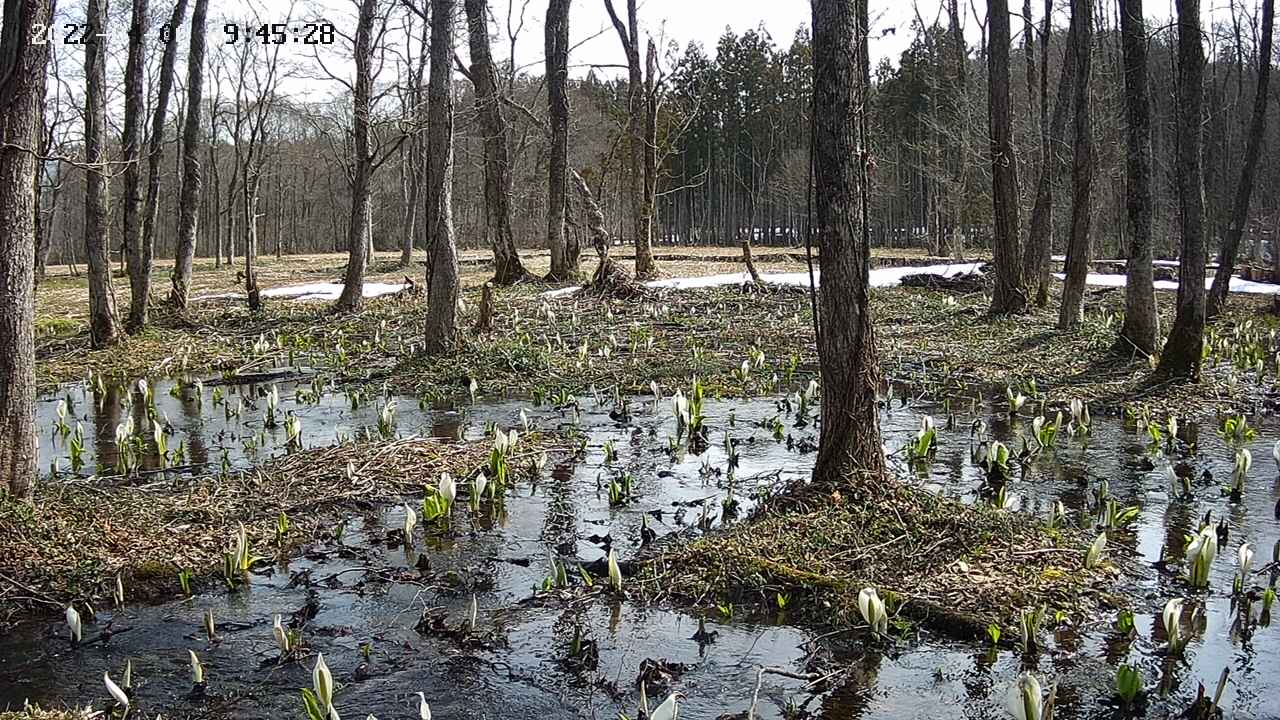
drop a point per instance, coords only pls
(442, 271)
(629, 34)
(42, 228)
(362, 163)
(645, 268)
(850, 440)
(249, 206)
(97, 245)
(22, 68)
(1181, 355)
(141, 284)
(508, 269)
(417, 159)
(1079, 249)
(564, 263)
(189, 199)
(131, 141)
(1248, 171)
(1008, 295)
(1141, 325)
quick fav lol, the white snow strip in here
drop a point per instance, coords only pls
(314, 291)
(1237, 285)
(880, 277)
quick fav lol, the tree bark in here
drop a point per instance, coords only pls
(189, 199)
(508, 269)
(1008, 295)
(442, 270)
(564, 255)
(1035, 258)
(102, 299)
(417, 159)
(1248, 171)
(22, 68)
(362, 163)
(850, 440)
(1141, 326)
(645, 266)
(629, 34)
(141, 260)
(131, 141)
(1181, 355)
(1079, 249)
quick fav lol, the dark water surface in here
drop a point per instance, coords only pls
(371, 596)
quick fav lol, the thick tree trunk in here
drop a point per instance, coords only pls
(131, 141)
(508, 269)
(142, 259)
(97, 245)
(189, 199)
(1035, 258)
(1079, 248)
(358, 235)
(42, 228)
(22, 68)
(1008, 296)
(564, 256)
(850, 440)
(1141, 328)
(1248, 171)
(442, 269)
(1181, 355)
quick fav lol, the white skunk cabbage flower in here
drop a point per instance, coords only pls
(410, 521)
(615, 572)
(1172, 617)
(1244, 558)
(1094, 555)
(1275, 453)
(197, 669)
(424, 710)
(1200, 555)
(473, 614)
(680, 406)
(73, 622)
(668, 710)
(1024, 701)
(448, 489)
(322, 682)
(116, 693)
(281, 635)
(872, 609)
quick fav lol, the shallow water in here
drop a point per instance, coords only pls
(370, 594)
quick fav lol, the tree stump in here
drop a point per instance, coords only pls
(485, 322)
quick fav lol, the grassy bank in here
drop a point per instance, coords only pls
(73, 542)
(537, 346)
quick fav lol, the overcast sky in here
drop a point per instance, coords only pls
(596, 44)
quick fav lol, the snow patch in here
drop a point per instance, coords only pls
(1237, 285)
(880, 277)
(314, 291)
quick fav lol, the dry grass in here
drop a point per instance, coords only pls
(954, 567)
(71, 543)
(36, 713)
(942, 340)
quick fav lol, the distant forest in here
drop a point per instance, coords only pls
(732, 139)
